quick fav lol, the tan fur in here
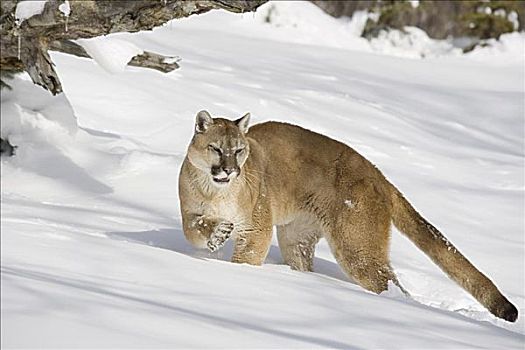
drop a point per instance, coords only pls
(310, 186)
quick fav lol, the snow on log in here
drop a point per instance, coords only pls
(146, 59)
(112, 54)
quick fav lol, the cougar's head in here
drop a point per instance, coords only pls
(219, 147)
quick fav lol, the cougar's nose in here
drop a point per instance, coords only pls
(228, 170)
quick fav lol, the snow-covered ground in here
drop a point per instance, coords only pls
(92, 253)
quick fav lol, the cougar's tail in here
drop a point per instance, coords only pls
(449, 259)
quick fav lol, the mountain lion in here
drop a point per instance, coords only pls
(238, 183)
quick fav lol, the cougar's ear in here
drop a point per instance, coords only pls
(202, 122)
(242, 122)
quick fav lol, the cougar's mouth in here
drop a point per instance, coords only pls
(221, 180)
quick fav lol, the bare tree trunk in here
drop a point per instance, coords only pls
(24, 46)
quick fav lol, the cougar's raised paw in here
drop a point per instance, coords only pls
(220, 235)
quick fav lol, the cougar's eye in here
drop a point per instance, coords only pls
(215, 149)
(239, 151)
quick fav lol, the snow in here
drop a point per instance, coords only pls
(28, 8)
(171, 60)
(110, 52)
(92, 250)
(65, 8)
(305, 23)
(411, 42)
(509, 49)
(66, 11)
(414, 3)
(513, 18)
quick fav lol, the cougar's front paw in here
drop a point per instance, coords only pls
(220, 235)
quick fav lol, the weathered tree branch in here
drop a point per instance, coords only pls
(155, 61)
(25, 45)
(38, 64)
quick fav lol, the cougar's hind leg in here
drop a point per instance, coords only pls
(362, 261)
(359, 239)
(297, 242)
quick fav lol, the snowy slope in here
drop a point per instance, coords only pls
(92, 253)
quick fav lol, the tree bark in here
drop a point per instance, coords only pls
(25, 45)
